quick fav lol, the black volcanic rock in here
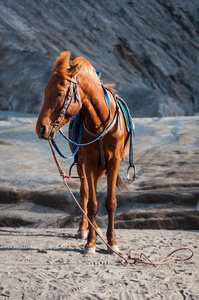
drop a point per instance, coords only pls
(148, 48)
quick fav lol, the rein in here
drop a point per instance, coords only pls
(125, 261)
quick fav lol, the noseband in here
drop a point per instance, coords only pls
(73, 91)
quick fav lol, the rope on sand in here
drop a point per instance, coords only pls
(125, 261)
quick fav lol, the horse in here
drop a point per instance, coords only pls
(102, 119)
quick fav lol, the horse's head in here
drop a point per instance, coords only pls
(56, 94)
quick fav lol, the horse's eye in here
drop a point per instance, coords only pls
(60, 94)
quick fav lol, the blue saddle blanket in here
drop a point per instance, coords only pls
(127, 117)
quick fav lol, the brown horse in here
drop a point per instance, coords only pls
(96, 113)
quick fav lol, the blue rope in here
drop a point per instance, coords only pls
(76, 148)
(99, 74)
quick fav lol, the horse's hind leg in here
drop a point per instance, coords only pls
(111, 202)
(92, 206)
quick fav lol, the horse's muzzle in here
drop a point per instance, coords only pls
(45, 134)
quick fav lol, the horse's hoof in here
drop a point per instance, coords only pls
(114, 247)
(82, 235)
(89, 250)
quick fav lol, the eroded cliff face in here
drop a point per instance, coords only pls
(148, 48)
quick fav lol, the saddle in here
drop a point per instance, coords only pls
(77, 122)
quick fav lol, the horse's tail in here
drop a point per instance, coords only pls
(121, 185)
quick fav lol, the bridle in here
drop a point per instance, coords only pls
(73, 92)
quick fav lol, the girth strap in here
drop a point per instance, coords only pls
(107, 130)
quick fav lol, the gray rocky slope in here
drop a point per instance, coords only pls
(148, 48)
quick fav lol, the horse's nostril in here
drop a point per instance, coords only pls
(43, 129)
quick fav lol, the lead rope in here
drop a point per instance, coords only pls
(125, 261)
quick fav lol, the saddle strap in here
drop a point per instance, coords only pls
(107, 130)
(102, 158)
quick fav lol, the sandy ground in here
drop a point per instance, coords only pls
(50, 264)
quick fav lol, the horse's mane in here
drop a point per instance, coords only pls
(62, 66)
(87, 68)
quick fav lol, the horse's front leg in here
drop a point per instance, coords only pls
(83, 225)
(111, 202)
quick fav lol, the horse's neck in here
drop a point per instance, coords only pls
(95, 108)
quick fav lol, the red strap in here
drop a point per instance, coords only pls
(67, 77)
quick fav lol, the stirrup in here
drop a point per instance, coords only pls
(127, 175)
(70, 170)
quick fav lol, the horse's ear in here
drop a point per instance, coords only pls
(62, 62)
(74, 70)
